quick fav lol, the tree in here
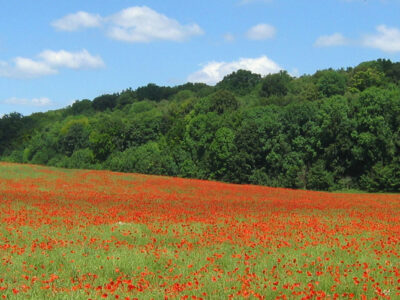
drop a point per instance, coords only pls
(144, 127)
(318, 178)
(199, 134)
(74, 135)
(331, 82)
(334, 135)
(240, 82)
(104, 102)
(108, 134)
(81, 159)
(223, 101)
(147, 159)
(373, 136)
(125, 98)
(275, 84)
(81, 106)
(304, 88)
(154, 92)
(382, 178)
(12, 127)
(364, 79)
(221, 152)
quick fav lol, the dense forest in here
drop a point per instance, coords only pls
(333, 130)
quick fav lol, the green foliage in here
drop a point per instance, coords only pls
(74, 135)
(108, 135)
(331, 82)
(364, 79)
(104, 102)
(144, 127)
(318, 178)
(12, 127)
(241, 82)
(382, 178)
(147, 158)
(81, 107)
(335, 129)
(81, 159)
(154, 92)
(125, 98)
(305, 89)
(42, 148)
(142, 106)
(275, 84)
(222, 150)
(199, 134)
(223, 101)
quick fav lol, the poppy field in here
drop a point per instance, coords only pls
(77, 234)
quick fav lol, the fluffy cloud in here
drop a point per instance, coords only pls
(43, 101)
(142, 24)
(261, 32)
(386, 39)
(72, 60)
(137, 24)
(336, 39)
(48, 63)
(26, 67)
(214, 72)
(73, 22)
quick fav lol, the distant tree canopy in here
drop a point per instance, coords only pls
(153, 92)
(333, 130)
(276, 84)
(80, 107)
(330, 82)
(104, 102)
(241, 82)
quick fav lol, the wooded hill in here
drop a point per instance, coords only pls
(333, 130)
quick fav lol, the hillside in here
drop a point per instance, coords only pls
(81, 234)
(333, 130)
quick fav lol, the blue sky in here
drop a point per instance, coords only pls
(55, 52)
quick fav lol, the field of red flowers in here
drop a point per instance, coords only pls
(70, 234)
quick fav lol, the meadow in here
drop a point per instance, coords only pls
(78, 234)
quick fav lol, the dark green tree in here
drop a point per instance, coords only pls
(330, 82)
(240, 82)
(275, 84)
(104, 102)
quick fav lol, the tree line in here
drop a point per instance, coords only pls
(333, 130)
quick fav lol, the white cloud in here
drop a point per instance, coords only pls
(136, 24)
(43, 101)
(336, 39)
(25, 68)
(386, 39)
(142, 24)
(214, 72)
(73, 22)
(229, 37)
(72, 60)
(31, 68)
(261, 32)
(48, 63)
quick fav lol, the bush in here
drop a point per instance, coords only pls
(81, 159)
